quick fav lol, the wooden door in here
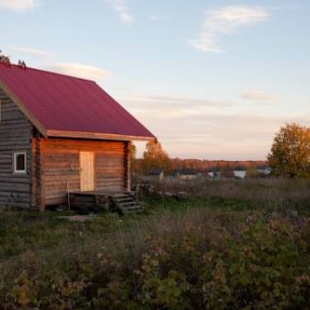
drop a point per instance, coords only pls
(87, 171)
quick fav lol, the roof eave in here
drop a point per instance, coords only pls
(97, 136)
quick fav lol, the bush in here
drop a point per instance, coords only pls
(196, 259)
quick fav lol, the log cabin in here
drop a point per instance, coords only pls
(60, 133)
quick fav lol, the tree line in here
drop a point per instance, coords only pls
(155, 157)
(289, 157)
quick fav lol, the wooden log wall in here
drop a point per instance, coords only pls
(15, 135)
(60, 167)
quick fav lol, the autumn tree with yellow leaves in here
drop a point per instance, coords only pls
(290, 152)
(155, 157)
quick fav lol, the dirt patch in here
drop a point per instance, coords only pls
(79, 218)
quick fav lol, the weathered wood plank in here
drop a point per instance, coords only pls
(16, 132)
(61, 169)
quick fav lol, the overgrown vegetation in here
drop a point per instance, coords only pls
(222, 247)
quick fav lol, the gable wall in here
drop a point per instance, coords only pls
(60, 168)
(15, 135)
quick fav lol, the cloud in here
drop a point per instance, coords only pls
(205, 128)
(80, 70)
(120, 6)
(157, 17)
(18, 5)
(32, 52)
(168, 108)
(73, 69)
(225, 21)
(215, 136)
(174, 101)
(257, 95)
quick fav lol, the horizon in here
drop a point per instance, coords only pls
(141, 148)
(210, 79)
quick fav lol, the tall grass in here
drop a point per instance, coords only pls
(276, 194)
(223, 247)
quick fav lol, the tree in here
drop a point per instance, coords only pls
(290, 152)
(155, 157)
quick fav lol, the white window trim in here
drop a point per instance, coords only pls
(15, 154)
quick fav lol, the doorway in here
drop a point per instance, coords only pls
(87, 181)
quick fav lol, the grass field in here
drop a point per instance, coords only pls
(234, 244)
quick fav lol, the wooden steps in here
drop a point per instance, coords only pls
(123, 203)
(126, 203)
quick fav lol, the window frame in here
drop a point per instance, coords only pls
(15, 168)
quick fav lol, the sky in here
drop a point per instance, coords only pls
(211, 79)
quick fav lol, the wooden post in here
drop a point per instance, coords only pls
(127, 177)
(41, 176)
(37, 176)
(32, 169)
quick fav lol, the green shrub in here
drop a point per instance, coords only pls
(199, 258)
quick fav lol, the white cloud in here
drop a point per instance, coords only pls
(172, 108)
(80, 70)
(157, 17)
(174, 101)
(215, 136)
(18, 5)
(32, 51)
(73, 69)
(258, 95)
(205, 128)
(120, 6)
(225, 21)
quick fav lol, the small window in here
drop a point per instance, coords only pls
(20, 162)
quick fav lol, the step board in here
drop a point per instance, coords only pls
(126, 204)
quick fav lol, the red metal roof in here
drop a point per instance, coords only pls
(64, 106)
